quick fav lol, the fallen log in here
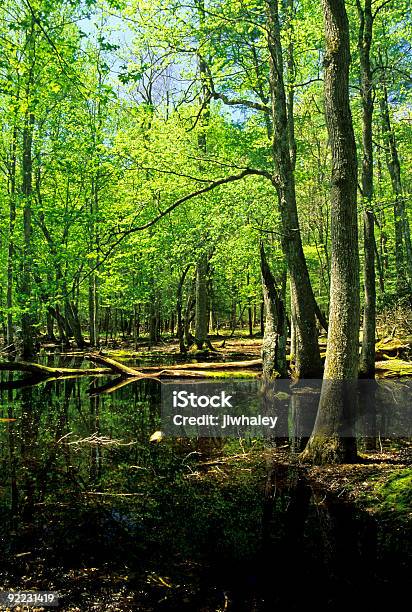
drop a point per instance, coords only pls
(221, 365)
(41, 371)
(392, 347)
(115, 366)
(393, 368)
(187, 370)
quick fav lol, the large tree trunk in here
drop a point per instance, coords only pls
(189, 315)
(274, 339)
(328, 443)
(308, 362)
(367, 360)
(42, 371)
(249, 309)
(292, 332)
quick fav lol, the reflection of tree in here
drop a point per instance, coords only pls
(285, 511)
(367, 411)
(14, 494)
(94, 426)
(303, 404)
(29, 461)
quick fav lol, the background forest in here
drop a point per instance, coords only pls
(114, 114)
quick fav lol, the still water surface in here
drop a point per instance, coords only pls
(90, 508)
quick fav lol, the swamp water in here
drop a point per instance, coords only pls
(91, 509)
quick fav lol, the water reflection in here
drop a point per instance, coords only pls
(90, 508)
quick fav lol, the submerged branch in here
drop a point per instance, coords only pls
(38, 370)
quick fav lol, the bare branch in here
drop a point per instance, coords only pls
(194, 194)
(379, 8)
(213, 184)
(232, 101)
(308, 82)
(240, 102)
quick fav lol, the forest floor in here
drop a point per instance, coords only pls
(379, 484)
(393, 354)
(226, 348)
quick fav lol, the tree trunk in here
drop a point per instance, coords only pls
(94, 237)
(403, 249)
(202, 301)
(274, 339)
(27, 330)
(179, 308)
(64, 328)
(72, 316)
(93, 325)
(367, 360)
(250, 321)
(10, 254)
(308, 362)
(328, 443)
(153, 322)
(50, 327)
(189, 315)
(138, 323)
(262, 319)
(201, 308)
(292, 331)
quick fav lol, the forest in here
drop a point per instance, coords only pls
(202, 190)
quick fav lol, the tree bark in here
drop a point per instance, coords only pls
(94, 244)
(202, 299)
(403, 248)
(274, 338)
(328, 443)
(308, 362)
(12, 221)
(27, 330)
(72, 316)
(153, 322)
(179, 309)
(64, 329)
(292, 331)
(50, 326)
(367, 360)
(201, 307)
